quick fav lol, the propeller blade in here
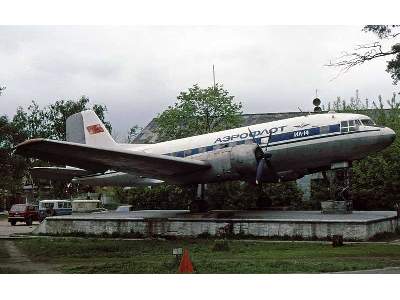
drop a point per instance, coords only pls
(260, 168)
(254, 139)
(263, 157)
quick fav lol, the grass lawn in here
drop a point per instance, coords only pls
(155, 256)
(3, 252)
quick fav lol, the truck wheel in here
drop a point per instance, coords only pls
(13, 223)
(29, 221)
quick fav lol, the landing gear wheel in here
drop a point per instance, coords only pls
(198, 206)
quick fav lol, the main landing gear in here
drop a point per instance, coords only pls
(200, 204)
(339, 179)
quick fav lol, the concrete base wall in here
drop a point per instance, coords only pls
(359, 231)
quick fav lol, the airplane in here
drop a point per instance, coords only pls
(276, 151)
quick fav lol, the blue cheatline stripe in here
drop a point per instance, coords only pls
(294, 135)
(334, 128)
(303, 135)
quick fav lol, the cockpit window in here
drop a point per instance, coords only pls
(349, 126)
(368, 122)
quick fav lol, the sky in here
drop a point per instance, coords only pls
(137, 71)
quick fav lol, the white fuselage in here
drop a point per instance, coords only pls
(299, 146)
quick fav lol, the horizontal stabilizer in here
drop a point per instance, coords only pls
(57, 173)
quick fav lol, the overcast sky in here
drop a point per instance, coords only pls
(138, 71)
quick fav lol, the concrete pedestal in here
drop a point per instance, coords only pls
(358, 226)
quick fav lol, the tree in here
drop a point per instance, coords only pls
(49, 122)
(12, 168)
(33, 122)
(133, 133)
(367, 52)
(199, 111)
(376, 179)
(58, 113)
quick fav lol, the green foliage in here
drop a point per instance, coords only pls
(34, 122)
(199, 111)
(382, 31)
(12, 169)
(226, 195)
(163, 196)
(393, 66)
(243, 195)
(376, 178)
(49, 122)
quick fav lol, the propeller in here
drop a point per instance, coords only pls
(263, 157)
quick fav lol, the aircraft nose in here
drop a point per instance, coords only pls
(389, 135)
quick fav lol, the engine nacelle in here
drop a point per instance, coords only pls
(243, 160)
(230, 163)
(239, 163)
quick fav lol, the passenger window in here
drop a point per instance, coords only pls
(59, 205)
(324, 130)
(352, 125)
(344, 125)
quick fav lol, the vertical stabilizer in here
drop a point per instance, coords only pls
(85, 127)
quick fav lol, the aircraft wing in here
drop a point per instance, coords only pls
(99, 159)
(57, 173)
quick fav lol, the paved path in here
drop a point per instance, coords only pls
(6, 230)
(20, 263)
(389, 270)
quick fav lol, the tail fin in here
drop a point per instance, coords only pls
(85, 127)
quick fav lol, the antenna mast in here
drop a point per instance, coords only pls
(214, 77)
